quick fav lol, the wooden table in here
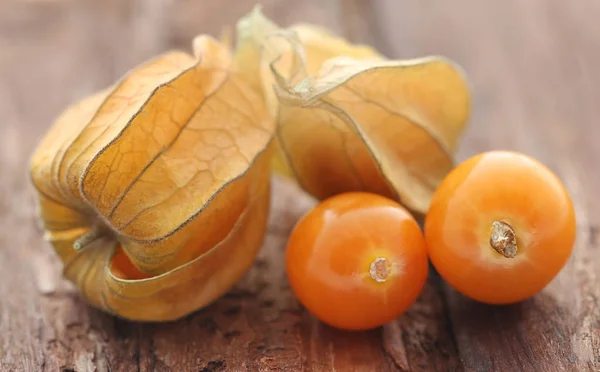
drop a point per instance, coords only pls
(535, 75)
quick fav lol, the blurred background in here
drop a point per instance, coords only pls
(533, 70)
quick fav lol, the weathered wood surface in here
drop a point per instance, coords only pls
(533, 67)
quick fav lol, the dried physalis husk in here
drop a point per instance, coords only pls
(155, 192)
(349, 119)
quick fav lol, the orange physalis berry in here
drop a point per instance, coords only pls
(357, 260)
(500, 227)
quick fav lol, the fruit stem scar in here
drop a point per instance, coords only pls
(380, 269)
(503, 239)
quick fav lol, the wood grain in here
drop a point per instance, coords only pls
(534, 76)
